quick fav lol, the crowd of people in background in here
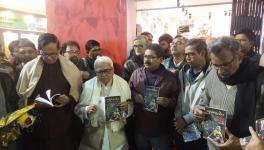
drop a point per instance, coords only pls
(190, 74)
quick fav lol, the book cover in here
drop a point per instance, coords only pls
(191, 133)
(150, 98)
(260, 127)
(112, 111)
(214, 124)
(50, 101)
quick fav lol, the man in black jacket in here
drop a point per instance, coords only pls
(8, 96)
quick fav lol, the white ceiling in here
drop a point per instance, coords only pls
(30, 6)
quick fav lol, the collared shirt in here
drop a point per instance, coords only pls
(177, 65)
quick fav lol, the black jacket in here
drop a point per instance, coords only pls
(11, 96)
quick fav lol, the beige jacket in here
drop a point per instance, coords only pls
(32, 71)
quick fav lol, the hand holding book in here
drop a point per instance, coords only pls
(180, 125)
(56, 100)
(123, 106)
(231, 143)
(91, 109)
(139, 98)
(62, 100)
(163, 101)
(199, 112)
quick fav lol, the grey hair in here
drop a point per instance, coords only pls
(103, 59)
(217, 45)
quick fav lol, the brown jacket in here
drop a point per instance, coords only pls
(155, 124)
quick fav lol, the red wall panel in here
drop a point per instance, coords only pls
(81, 20)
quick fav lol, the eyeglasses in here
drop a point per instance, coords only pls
(223, 65)
(48, 54)
(149, 57)
(100, 72)
(177, 43)
(242, 40)
(73, 51)
(191, 54)
(138, 46)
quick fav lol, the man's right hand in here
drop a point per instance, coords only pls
(139, 98)
(180, 125)
(199, 112)
(91, 109)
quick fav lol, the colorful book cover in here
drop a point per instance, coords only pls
(150, 99)
(191, 133)
(112, 111)
(260, 127)
(214, 124)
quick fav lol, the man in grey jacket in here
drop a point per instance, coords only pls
(192, 83)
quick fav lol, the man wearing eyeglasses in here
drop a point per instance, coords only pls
(153, 128)
(136, 61)
(71, 50)
(177, 59)
(50, 71)
(230, 86)
(192, 83)
(100, 134)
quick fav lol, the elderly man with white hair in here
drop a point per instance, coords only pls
(99, 133)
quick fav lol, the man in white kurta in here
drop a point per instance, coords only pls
(98, 133)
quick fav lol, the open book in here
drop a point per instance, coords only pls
(214, 124)
(50, 101)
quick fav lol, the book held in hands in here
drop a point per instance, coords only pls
(51, 101)
(107, 108)
(260, 127)
(214, 124)
(150, 98)
(191, 133)
(112, 111)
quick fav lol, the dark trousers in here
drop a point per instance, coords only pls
(156, 143)
(130, 132)
(200, 144)
(59, 143)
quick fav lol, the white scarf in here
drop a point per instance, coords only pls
(92, 90)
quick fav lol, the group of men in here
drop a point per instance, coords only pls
(186, 74)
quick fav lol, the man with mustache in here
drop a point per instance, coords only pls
(153, 129)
